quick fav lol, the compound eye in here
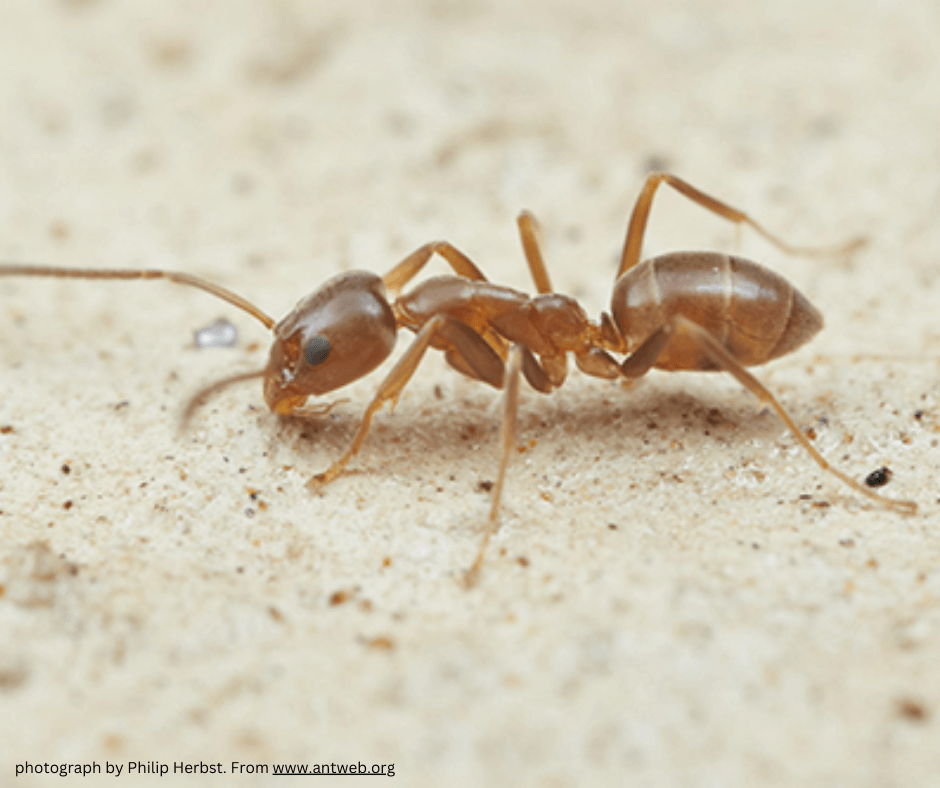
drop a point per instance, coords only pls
(317, 350)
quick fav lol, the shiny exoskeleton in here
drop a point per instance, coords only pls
(697, 311)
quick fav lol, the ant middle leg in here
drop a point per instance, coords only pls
(529, 235)
(412, 265)
(641, 210)
(641, 361)
(509, 429)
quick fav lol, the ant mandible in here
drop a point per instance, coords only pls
(696, 311)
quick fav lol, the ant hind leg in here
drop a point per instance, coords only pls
(645, 357)
(641, 210)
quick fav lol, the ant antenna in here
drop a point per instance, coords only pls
(178, 277)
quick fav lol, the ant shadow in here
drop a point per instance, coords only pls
(609, 418)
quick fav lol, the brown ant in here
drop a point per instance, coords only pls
(699, 311)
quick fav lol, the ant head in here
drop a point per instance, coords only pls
(334, 336)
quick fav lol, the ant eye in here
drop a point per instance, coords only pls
(317, 350)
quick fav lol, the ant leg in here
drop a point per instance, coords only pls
(641, 361)
(411, 266)
(532, 369)
(529, 233)
(638, 219)
(479, 356)
(645, 356)
(599, 364)
(535, 373)
(510, 424)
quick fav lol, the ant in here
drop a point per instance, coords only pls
(694, 311)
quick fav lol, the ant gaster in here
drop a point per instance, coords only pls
(698, 311)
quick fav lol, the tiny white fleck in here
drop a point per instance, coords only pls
(221, 333)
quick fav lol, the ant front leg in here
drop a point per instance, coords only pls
(472, 348)
(645, 356)
(641, 211)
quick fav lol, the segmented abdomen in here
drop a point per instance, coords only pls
(755, 313)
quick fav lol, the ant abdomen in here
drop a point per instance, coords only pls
(755, 313)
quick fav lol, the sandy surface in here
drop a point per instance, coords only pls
(678, 596)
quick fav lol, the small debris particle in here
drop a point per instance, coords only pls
(338, 598)
(381, 643)
(275, 613)
(67, 505)
(612, 526)
(438, 392)
(918, 414)
(172, 53)
(249, 512)
(66, 468)
(714, 417)
(7, 429)
(871, 563)
(912, 710)
(221, 333)
(59, 230)
(12, 674)
(387, 561)
(879, 478)
(847, 542)
(522, 561)
(810, 433)
(484, 485)
(113, 742)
